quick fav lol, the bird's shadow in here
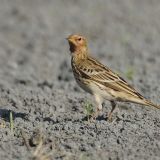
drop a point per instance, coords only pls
(5, 114)
(99, 118)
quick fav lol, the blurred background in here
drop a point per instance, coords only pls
(36, 77)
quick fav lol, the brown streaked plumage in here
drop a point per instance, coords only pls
(99, 80)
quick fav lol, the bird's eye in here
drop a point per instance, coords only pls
(79, 39)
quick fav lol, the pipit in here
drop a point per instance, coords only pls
(99, 80)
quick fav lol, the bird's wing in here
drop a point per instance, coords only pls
(95, 71)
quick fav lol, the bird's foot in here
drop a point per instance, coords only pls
(93, 117)
(109, 117)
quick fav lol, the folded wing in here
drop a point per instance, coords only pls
(97, 72)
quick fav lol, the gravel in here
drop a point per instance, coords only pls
(38, 88)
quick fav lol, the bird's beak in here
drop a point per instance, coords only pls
(70, 40)
(67, 38)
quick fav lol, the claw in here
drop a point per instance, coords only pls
(94, 115)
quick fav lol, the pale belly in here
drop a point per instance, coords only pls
(84, 86)
(96, 89)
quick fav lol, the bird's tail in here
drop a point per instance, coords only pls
(149, 103)
(144, 101)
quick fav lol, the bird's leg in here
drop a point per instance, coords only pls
(96, 113)
(98, 100)
(110, 113)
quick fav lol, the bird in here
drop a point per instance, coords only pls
(99, 80)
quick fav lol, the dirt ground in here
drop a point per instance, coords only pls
(37, 87)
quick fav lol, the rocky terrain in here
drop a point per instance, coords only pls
(42, 110)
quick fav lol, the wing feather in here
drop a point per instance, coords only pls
(96, 71)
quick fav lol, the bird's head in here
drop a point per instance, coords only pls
(77, 43)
